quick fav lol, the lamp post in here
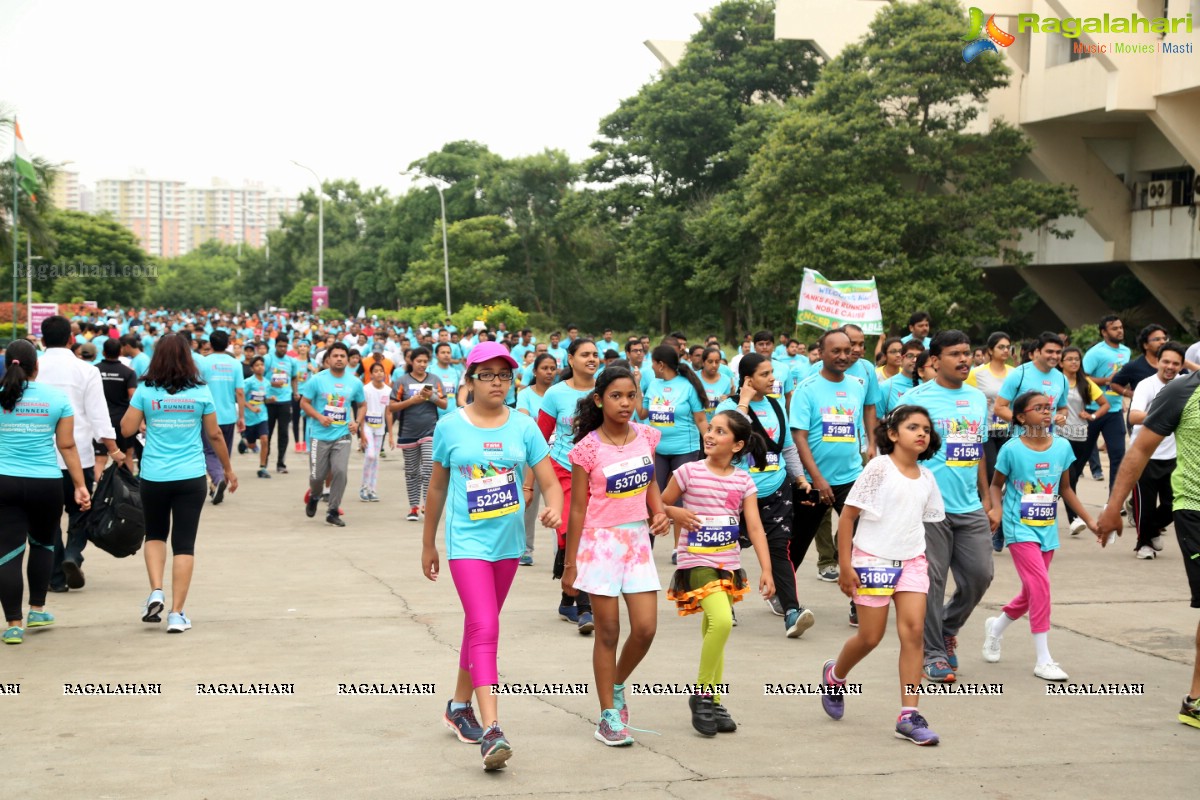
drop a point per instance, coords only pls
(320, 223)
(445, 244)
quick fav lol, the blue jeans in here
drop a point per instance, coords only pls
(212, 464)
(1112, 426)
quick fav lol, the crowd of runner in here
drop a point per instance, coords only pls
(930, 456)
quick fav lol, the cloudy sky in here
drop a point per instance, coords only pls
(236, 90)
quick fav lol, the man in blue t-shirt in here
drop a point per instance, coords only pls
(1037, 375)
(223, 374)
(1101, 363)
(283, 375)
(334, 400)
(825, 416)
(962, 542)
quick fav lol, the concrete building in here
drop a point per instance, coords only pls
(236, 216)
(1122, 126)
(64, 192)
(155, 210)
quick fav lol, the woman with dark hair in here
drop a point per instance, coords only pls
(675, 406)
(417, 396)
(988, 378)
(718, 385)
(529, 403)
(1082, 392)
(892, 353)
(35, 420)
(177, 408)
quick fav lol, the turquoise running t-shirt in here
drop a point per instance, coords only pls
(332, 396)
(27, 433)
(769, 477)
(960, 418)
(174, 427)
(1102, 360)
(559, 403)
(832, 414)
(672, 405)
(223, 374)
(1031, 490)
(256, 390)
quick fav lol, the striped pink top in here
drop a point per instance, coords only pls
(717, 500)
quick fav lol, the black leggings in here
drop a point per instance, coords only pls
(174, 507)
(279, 413)
(29, 510)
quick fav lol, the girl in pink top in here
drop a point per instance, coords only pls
(613, 492)
(710, 578)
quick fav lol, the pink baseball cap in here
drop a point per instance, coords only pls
(489, 350)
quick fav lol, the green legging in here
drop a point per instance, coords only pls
(717, 623)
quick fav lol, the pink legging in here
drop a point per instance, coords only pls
(1033, 566)
(482, 587)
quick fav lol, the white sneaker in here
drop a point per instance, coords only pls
(1145, 551)
(1078, 527)
(1157, 543)
(991, 644)
(1050, 671)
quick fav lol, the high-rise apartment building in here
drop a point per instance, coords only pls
(155, 210)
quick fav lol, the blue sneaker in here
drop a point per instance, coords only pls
(155, 603)
(14, 635)
(39, 619)
(797, 621)
(495, 748)
(464, 724)
(525, 561)
(834, 704)
(998, 541)
(611, 731)
(914, 728)
(951, 643)
(178, 623)
(586, 625)
(568, 614)
(939, 672)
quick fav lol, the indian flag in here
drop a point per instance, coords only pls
(24, 164)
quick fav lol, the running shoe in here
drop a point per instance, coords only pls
(776, 606)
(913, 727)
(464, 724)
(797, 621)
(1189, 712)
(998, 541)
(374, 498)
(853, 614)
(282, 470)
(364, 496)
(586, 624)
(725, 723)
(1157, 543)
(325, 497)
(412, 515)
(155, 603)
(495, 748)
(703, 719)
(74, 575)
(178, 623)
(15, 635)
(951, 643)
(568, 614)
(525, 561)
(733, 613)
(242, 449)
(834, 704)
(262, 473)
(299, 447)
(1050, 671)
(828, 574)
(675, 558)
(39, 619)
(1145, 551)
(1078, 526)
(611, 730)
(219, 494)
(939, 672)
(991, 644)
(335, 519)
(1098, 476)
(620, 705)
(310, 504)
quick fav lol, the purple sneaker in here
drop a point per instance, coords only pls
(914, 728)
(834, 704)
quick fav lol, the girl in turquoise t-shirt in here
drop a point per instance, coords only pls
(718, 386)
(1032, 472)
(674, 405)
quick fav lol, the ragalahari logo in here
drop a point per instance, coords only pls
(979, 42)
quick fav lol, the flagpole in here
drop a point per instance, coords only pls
(14, 231)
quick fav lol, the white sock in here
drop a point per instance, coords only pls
(1042, 647)
(1000, 623)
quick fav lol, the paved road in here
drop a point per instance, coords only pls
(282, 599)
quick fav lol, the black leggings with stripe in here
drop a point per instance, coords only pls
(30, 509)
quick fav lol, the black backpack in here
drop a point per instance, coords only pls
(115, 522)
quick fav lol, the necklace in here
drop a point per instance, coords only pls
(624, 441)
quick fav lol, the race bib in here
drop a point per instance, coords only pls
(837, 428)
(279, 378)
(416, 389)
(715, 535)
(375, 420)
(335, 413)
(772, 464)
(776, 389)
(963, 450)
(629, 477)
(662, 415)
(1038, 510)
(712, 402)
(877, 576)
(493, 496)
(997, 423)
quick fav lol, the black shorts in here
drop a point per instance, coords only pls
(1187, 530)
(123, 444)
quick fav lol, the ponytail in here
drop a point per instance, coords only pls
(20, 362)
(669, 357)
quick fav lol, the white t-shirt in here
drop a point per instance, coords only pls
(377, 401)
(1193, 353)
(894, 509)
(1143, 394)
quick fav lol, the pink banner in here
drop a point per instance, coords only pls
(39, 313)
(320, 297)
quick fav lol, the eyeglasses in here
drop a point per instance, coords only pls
(1042, 409)
(488, 377)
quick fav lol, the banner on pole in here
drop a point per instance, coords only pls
(827, 304)
(39, 313)
(320, 297)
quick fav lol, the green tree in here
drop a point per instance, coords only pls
(879, 173)
(205, 277)
(31, 214)
(98, 259)
(480, 249)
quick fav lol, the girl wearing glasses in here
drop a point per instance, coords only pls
(480, 456)
(1032, 472)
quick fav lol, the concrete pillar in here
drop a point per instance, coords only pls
(1178, 117)
(1175, 284)
(1067, 294)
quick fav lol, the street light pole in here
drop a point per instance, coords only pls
(320, 223)
(445, 243)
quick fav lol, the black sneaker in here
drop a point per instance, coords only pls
(242, 447)
(464, 724)
(310, 505)
(219, 494)
(335, 520)
(281, 469)
(703, 718)
(725, 723)
(73, 574)
(853, 615)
